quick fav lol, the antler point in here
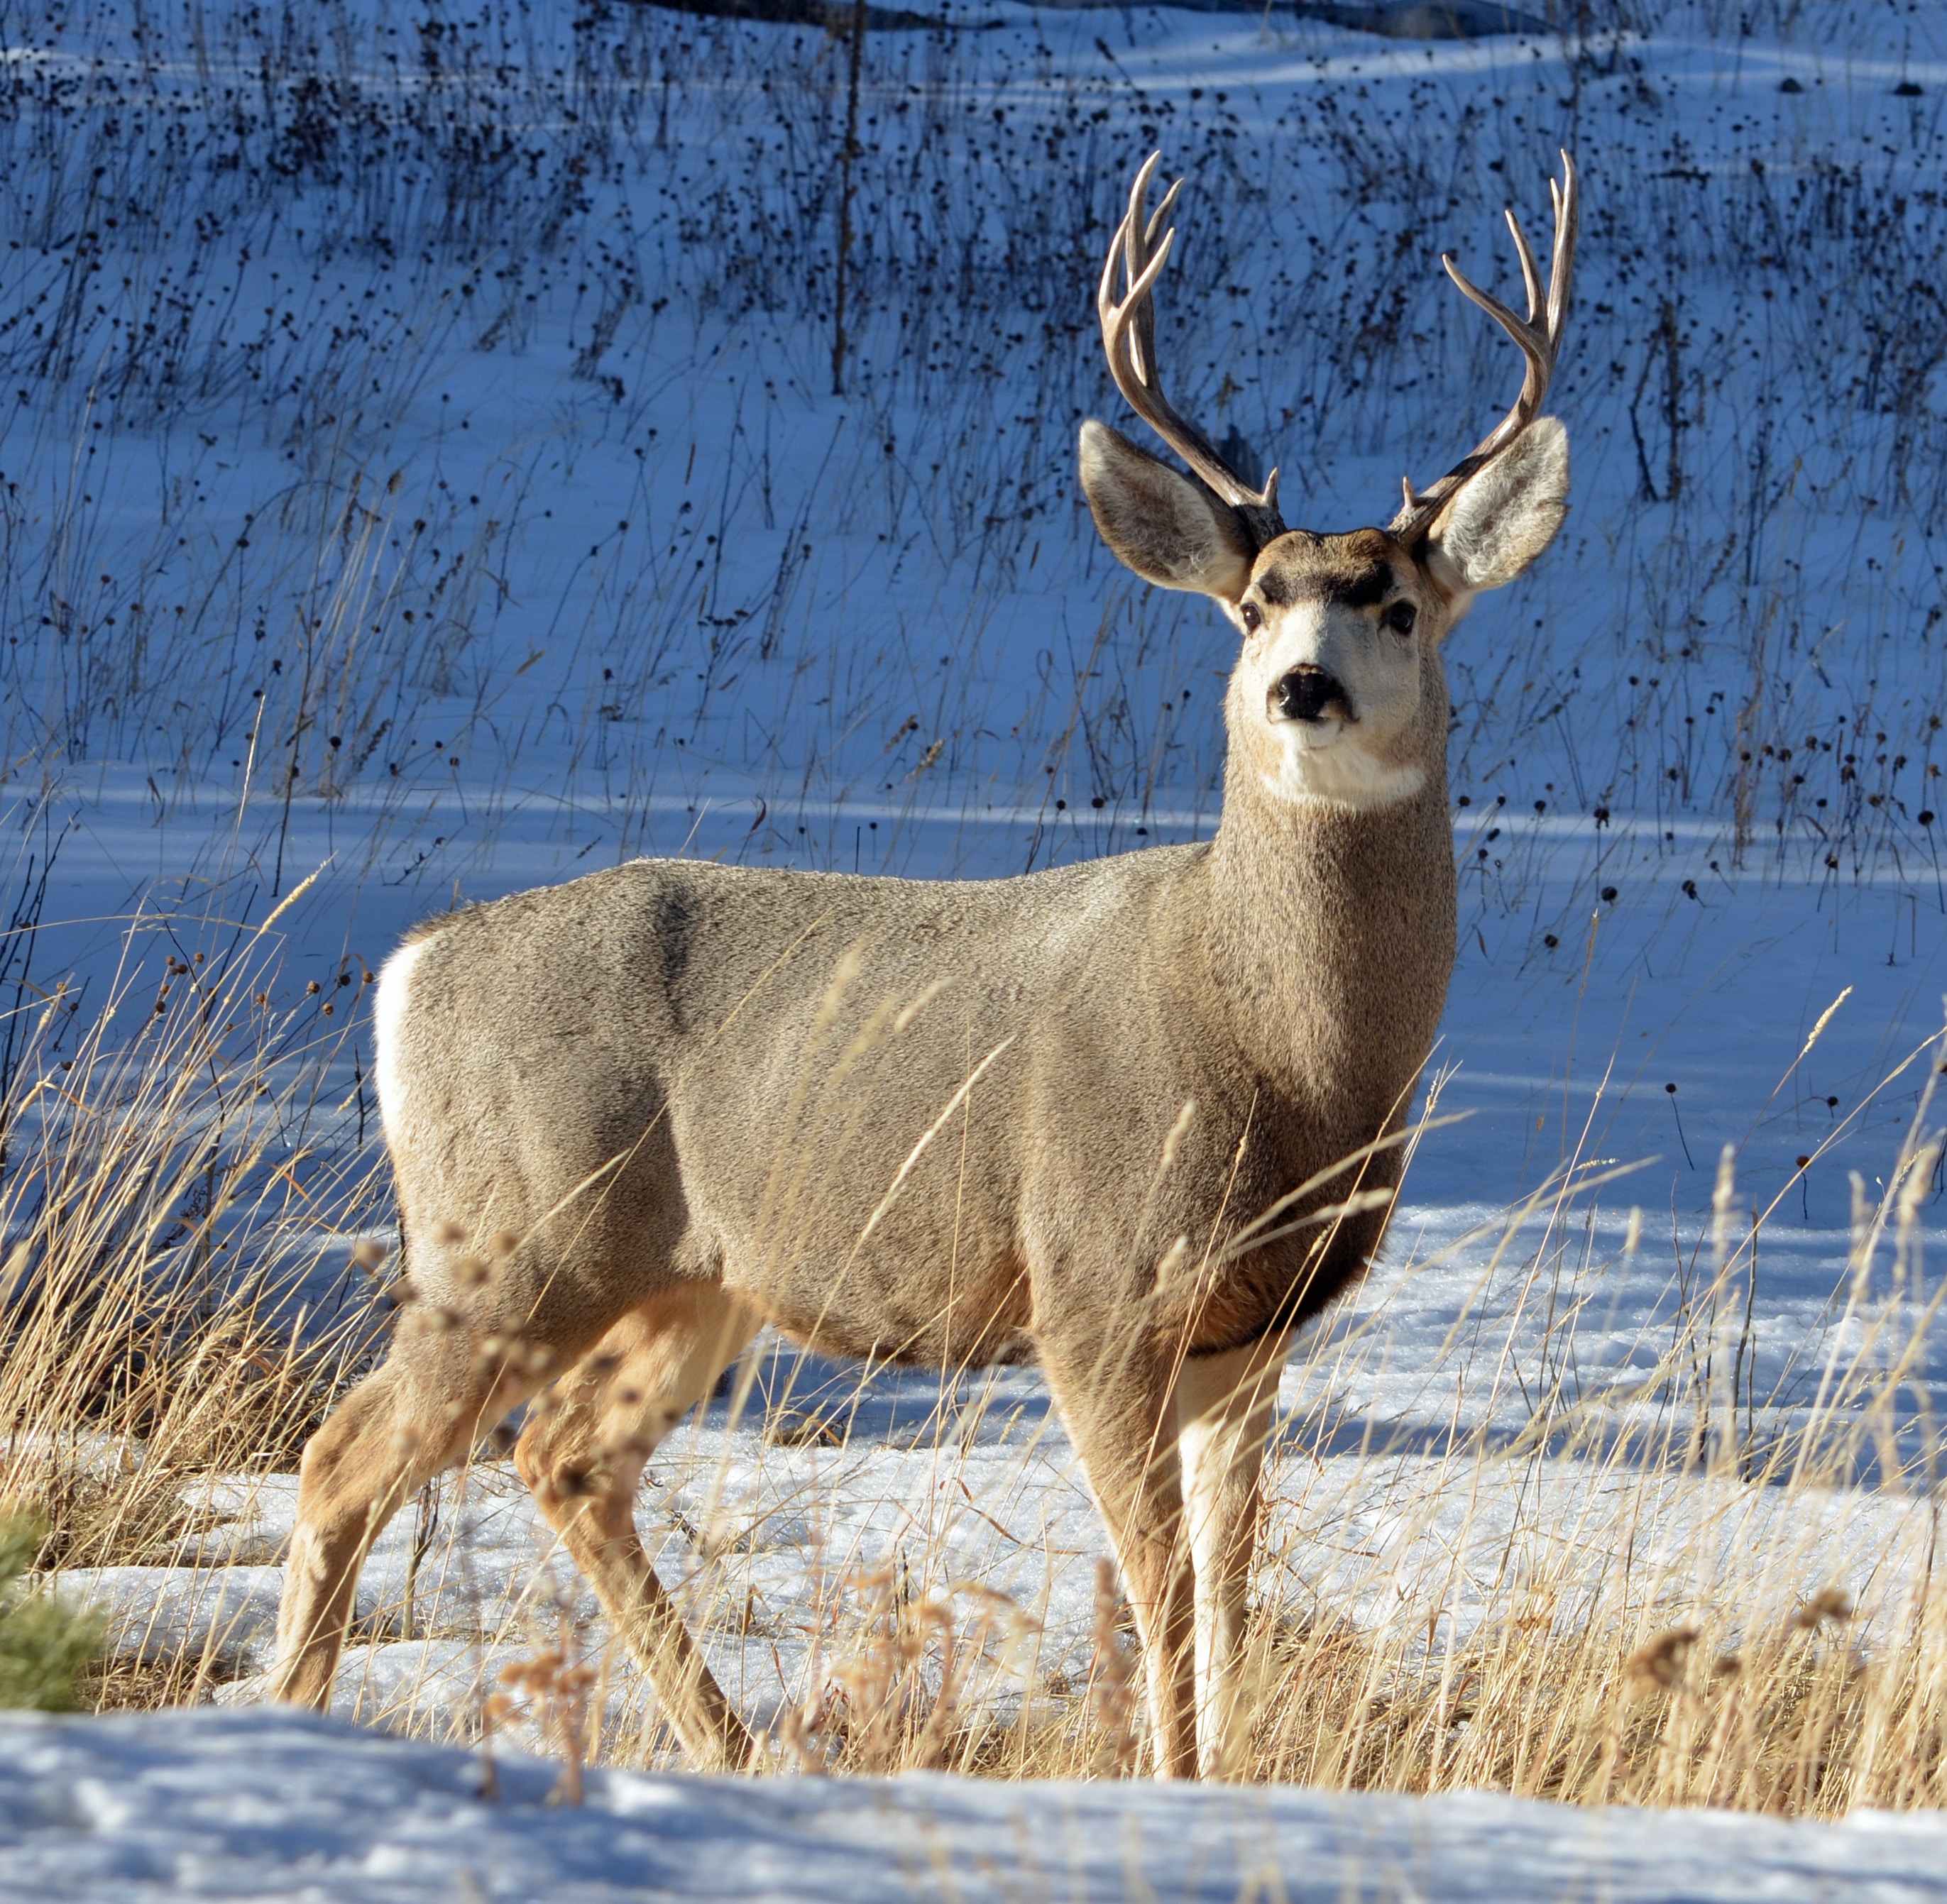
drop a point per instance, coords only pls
(1537, 337)
(1128, 337)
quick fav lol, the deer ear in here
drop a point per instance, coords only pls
(1170, 530)
(1505, 515)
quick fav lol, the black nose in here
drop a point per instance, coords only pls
(1306, 693)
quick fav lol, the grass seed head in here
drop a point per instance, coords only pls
(1660, 1661)
(1832, 1604)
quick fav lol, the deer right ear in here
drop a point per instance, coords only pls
(1170, 530)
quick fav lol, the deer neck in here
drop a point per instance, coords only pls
(1327, 936)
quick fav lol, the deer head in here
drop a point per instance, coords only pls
(1339, 689)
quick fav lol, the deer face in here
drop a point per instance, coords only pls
(1339, 695)
(1326, 698)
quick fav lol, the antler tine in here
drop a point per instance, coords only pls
(1160, 216)
(1538, 336)
(1530, 271)
(1140, 249)
(1133, 320)
(1128, 338)
(1567, 199)
(1535, 346)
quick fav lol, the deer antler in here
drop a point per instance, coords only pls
(1128, 336)
(1540, 337)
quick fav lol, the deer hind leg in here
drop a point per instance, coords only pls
(419, 1413)
(582, 1457)
(1223, 1405)
(1115, 1406)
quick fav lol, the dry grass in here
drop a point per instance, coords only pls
(179, 1214)
(1636, 1598)
(1758, 402)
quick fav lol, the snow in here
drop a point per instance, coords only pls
(525, 482)
(276, 1806)
(1368, 1520)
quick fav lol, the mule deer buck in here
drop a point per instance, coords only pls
(1136, 1120)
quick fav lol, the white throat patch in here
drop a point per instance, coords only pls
(1339, 773)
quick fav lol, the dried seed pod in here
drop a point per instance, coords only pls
(1833, 1604)
(368, 1252)
(1659, 1661)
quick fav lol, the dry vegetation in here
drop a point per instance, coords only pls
(1656, 1624)
(1750, 389)
(179, 1219)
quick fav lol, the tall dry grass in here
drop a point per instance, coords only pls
(1651, 1583)
(1756, 422)
(179, 1298)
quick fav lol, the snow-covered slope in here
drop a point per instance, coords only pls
(284, 1808)
(420, 473)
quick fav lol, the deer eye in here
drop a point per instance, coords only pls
(1252, 616)
(1400, 617)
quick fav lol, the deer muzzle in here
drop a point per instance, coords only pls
(1309, 694)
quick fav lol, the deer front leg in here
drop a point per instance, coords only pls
(582, 1457)
(1223, 1405)
(1115, 1406)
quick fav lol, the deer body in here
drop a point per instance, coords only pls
(709, 1007)
(1127, 1119)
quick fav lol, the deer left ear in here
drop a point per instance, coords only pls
(1505, 515)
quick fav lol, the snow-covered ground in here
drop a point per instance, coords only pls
(279, 1806)
(424, 480)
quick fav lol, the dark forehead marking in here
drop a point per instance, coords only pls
(1354, 571)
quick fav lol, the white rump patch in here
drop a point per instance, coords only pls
(388, 1015)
